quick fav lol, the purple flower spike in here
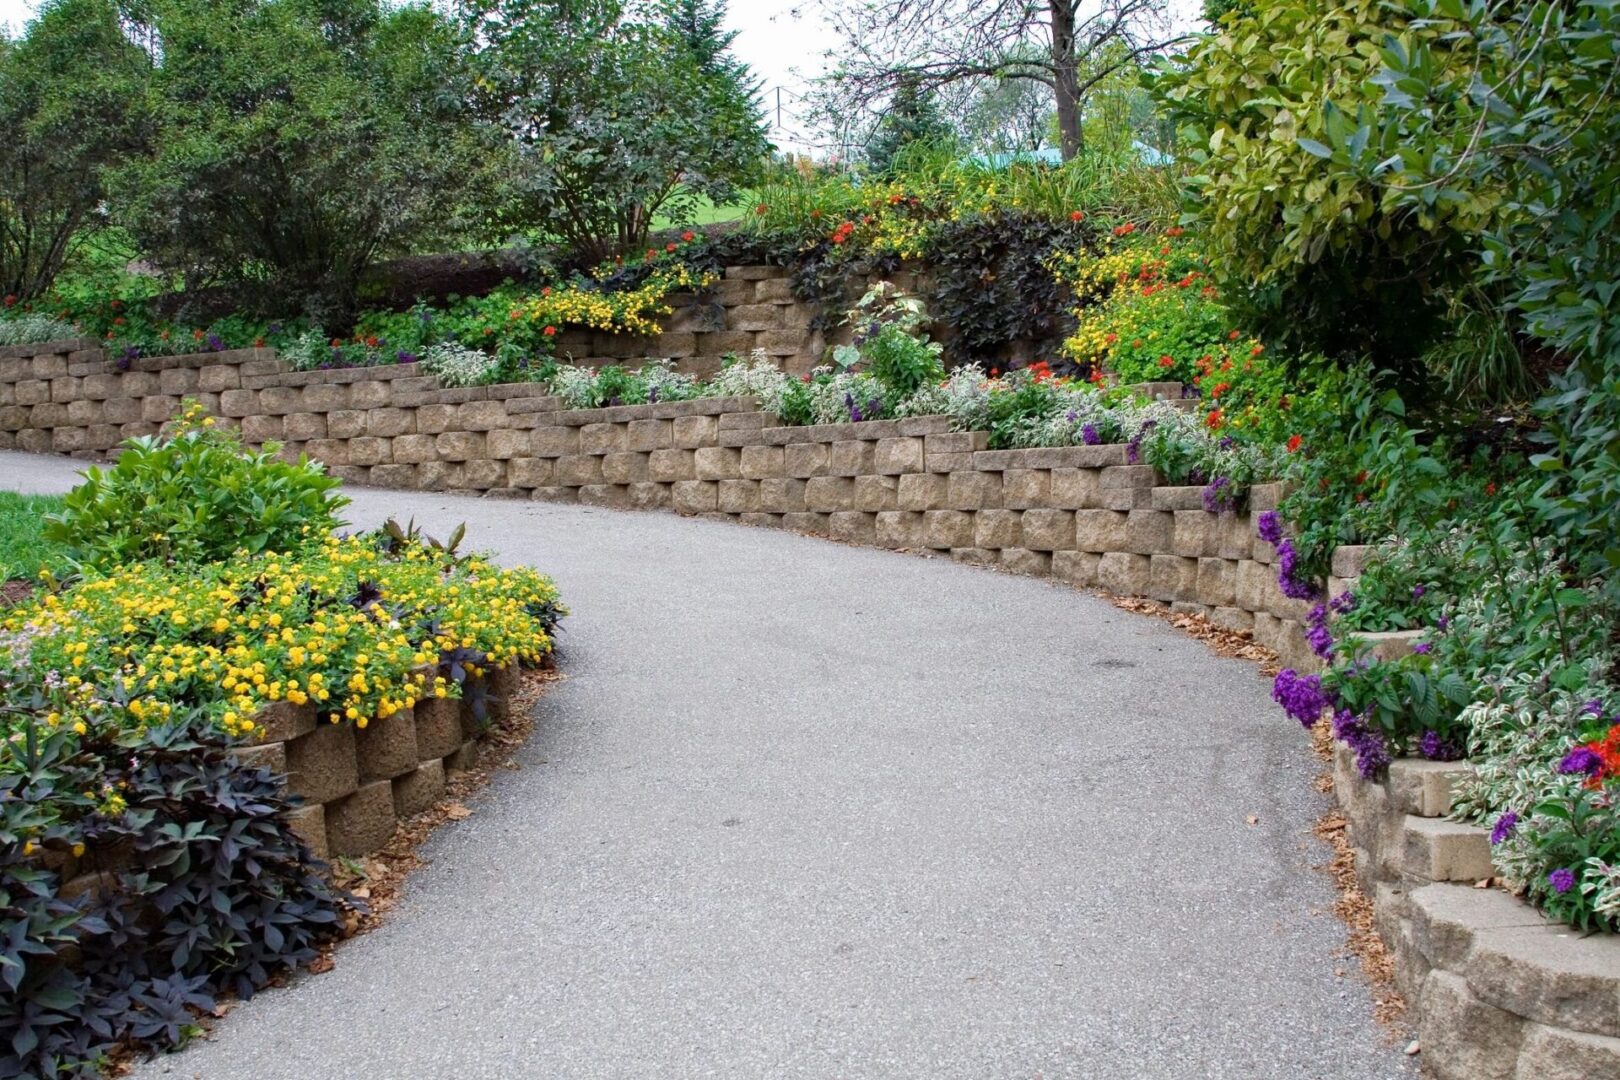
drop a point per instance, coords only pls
(1593, 708)
(1581, 761)
(1269, 526)
(1301, 696)
(1504, 827)
(1090, 435)
(1422, 648)
(1562, 880)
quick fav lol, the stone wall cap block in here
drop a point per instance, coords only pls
(1349, 560)
(1178, 498)
(1549, 973)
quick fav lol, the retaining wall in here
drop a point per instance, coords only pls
(1083, 514)
(1496, 989)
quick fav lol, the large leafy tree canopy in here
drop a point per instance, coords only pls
(71, 95)
(616, 113)
(297, 140)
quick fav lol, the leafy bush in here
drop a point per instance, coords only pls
(614, 119)
(195, 495)
(349, 112)
(886, 327)
(71, 94)
(1315, 259)
(220, 893)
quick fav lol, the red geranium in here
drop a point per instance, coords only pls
(1294, 443)
(1078, 215)
(689, 236)
(1125, 229)
(549, 331)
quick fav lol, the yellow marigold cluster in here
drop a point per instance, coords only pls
(634, 311)
(345, 626)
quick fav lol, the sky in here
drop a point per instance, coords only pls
(785, 41)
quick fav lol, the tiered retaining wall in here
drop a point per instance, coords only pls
(1497, 990)
(1079, 513)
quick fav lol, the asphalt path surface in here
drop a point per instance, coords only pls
(801, 809)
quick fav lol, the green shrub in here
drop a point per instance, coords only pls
(195, 495)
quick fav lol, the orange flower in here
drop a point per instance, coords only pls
(1233, 336)
(762, 209)
(1077, 215)
(337, 343)
(1174, 230)
(1125, 229)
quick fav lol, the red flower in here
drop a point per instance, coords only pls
(689, 236)
(1294, 443)
(11, 300)
(371, 342)
(995, 373)
(258, 343)
(546, 291)
(1213, 420)
(1165, 362)
(116, 304)
(1174, 230)
(1490, 488)
(1125, 229)
(761, 209)
(549, 331)
(1233, 336)
(815, 214)
(1257, 350)
(118, 321)
(1077, 215)
(670, 248)
(806, 376)
(337, 343)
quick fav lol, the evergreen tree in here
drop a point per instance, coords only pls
(913, 116)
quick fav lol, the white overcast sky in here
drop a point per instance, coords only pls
(784, 41)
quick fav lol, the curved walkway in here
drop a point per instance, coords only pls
(817, 811)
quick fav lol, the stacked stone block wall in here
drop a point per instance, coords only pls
(1497, 990)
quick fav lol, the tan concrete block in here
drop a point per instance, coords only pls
(386, 746)
(435, 419)
(261, 429)
(1462, 1037)
(695, 496)
(1024, 489)
(650, 495)
(851, 457)
(1020, 560)
(1172, 577)
(825, 494)
(691, 432)
(902, 529)
(898, 456)
(626, 468)
(807, 523)
(947, 529)
(805, 460)
(1076, 567)
(602, 438)
(668, 466)
(998, 529)
(1195, 533)
(851, 526)
(645, 436)
(1149, 532)
(387, 422)
(177, 381)
(1217, 582)
(526, 472)
(419, 789)
(460, 445)
(763, 462)
(782, 495)
(323, 397)
(1123, 573)
(365, 451)
(545, 442)
(362, 822)
(576, 470)
(973, 556)
(1049, 530)
(874, 493)
(973, 490)
(321, 765)
(718, 463)
(219, 377)
(1075, 489)
(504, 444)
(304, 427)
(740, 497)
(923, 491)
(613, 496)
(1099, 530)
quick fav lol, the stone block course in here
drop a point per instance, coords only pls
(875, 493)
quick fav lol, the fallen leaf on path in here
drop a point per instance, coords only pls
(321, 965)
(1253, 819)
(457, 812)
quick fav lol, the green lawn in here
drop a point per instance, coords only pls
(706, 213)
(23, 550)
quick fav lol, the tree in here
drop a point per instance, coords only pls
(615, 113)
(913, 116)
(70, 97)
(1009, 116)
(297, 142)
(1058, 44)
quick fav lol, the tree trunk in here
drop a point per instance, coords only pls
(1067, 83)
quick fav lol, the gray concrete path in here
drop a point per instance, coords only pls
(806, 810)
